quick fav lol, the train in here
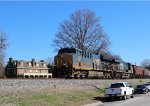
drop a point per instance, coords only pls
(76, 63)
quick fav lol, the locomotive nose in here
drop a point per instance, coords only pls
(63, 60)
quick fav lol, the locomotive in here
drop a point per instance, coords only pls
(72, 62)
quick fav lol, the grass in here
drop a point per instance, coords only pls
(55, 98)
(137, 83)
(69, 98)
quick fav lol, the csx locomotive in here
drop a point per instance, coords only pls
(71, 62)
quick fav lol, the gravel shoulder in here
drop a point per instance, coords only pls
(27, 87)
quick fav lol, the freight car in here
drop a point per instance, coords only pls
(137, 71)
(71, 62)
(140, 72)
(145, 73)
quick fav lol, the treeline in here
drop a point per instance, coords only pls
(3, 46)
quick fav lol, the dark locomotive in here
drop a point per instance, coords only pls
(71, 62)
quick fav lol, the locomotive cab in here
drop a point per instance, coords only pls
(63, 62)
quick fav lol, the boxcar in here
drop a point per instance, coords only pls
(138, 73)
(145, 73)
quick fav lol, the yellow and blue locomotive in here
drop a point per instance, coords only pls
(71, 62)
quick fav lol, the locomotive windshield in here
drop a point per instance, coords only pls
(67, 50)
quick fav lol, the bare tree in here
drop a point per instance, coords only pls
(3, 46)
(111, 55)
(82, 31)
(49, 63)
(3, 40)
(117, 57)
(146, 63)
